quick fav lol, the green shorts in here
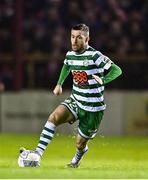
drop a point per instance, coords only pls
(89, 122)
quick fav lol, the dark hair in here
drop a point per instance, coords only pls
(82, 27)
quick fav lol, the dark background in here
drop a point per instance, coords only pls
(35, 35)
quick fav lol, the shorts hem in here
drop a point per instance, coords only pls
(83, 135)
(74, 114)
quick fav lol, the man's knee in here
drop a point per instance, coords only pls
(60, 115)
(53, 117)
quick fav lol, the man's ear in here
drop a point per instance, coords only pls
(87, 39)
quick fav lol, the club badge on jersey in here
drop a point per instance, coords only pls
(86, 62)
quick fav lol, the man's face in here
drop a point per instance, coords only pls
(78, 40)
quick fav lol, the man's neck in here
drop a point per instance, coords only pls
(83, 50)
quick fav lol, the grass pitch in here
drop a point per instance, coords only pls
(108, 157)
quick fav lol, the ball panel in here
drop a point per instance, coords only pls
(28, 159)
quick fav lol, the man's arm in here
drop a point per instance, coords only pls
(64, 73)
(114, 72)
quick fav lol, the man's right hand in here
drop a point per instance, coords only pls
(57, 90)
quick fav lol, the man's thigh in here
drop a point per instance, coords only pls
(89, 123)
(61, 115)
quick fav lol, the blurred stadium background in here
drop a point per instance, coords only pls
(34, 37)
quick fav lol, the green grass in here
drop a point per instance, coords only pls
(108, 157)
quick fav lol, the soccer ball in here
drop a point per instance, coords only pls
(28, 158)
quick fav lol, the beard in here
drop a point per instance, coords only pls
(78, 49)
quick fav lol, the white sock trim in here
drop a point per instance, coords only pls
(84, 150)
(40, 151)
(50, 125)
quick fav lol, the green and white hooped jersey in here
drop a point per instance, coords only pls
(86, 91)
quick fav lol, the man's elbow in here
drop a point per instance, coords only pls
(120, 71)
(117, 69)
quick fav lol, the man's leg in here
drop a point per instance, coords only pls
(82, 148)
(59, 116)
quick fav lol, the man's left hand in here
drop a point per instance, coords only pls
(98, 79)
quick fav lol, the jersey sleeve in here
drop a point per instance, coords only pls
(102, 61)
(64, 73)
(113, 73)
(65, 60)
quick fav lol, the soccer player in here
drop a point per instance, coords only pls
(91, 71)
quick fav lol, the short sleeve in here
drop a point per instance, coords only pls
(107, 63)
(102, 61)
(65, 60)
